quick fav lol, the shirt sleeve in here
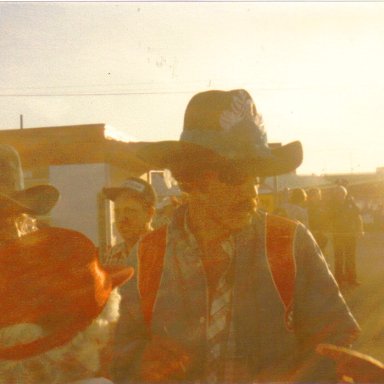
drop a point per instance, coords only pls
(320, 313)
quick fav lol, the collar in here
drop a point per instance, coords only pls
(228, 244)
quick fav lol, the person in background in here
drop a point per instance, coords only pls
(346, 227)
(134, 208)
(317, 217)
(295, 208)
(213, 299)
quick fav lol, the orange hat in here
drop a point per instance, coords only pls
(52, 277)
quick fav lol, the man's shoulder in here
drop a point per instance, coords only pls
(274, 225)
(280, 231)
(273, 219)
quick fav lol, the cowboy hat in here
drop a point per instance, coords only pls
(14, 197)
(223, 126)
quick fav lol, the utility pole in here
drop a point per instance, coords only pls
(21, 122)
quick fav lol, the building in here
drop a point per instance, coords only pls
(79, 160)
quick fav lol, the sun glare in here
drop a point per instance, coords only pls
(111, 133)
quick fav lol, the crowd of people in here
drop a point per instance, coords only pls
(221, 293)
(336, 220)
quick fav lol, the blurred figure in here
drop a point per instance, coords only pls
(346, 227)
(164, 211)
(134, 207)
(19, 206)
(295, 208)
(317, 217)
(378, 218)
(58, 309)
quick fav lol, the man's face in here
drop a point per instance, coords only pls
(132, 217)
(228, 203)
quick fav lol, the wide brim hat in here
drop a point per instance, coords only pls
(14, 197)
(37, 200)
(223, 126)
(53, 278)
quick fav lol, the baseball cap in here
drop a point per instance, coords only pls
(135, 187)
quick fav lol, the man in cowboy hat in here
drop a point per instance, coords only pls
(19, 205)
(134, 207)
(227, 293)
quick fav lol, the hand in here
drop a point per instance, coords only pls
(353, 365)
(163, 360)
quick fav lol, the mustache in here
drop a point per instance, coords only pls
(247, 205)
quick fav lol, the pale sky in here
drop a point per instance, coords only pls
(314, 69)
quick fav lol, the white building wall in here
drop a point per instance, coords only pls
(79, 186)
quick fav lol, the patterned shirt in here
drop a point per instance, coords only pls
(218, 267)
(118, 254)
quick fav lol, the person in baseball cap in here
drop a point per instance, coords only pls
(134, 207)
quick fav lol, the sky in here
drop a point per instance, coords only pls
(314, 70)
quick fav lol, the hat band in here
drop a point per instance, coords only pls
(226, 144)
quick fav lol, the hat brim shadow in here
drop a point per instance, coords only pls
(168, 154)
(113, 192)
(37, 200)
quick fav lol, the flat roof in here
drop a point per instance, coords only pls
(74, 144)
